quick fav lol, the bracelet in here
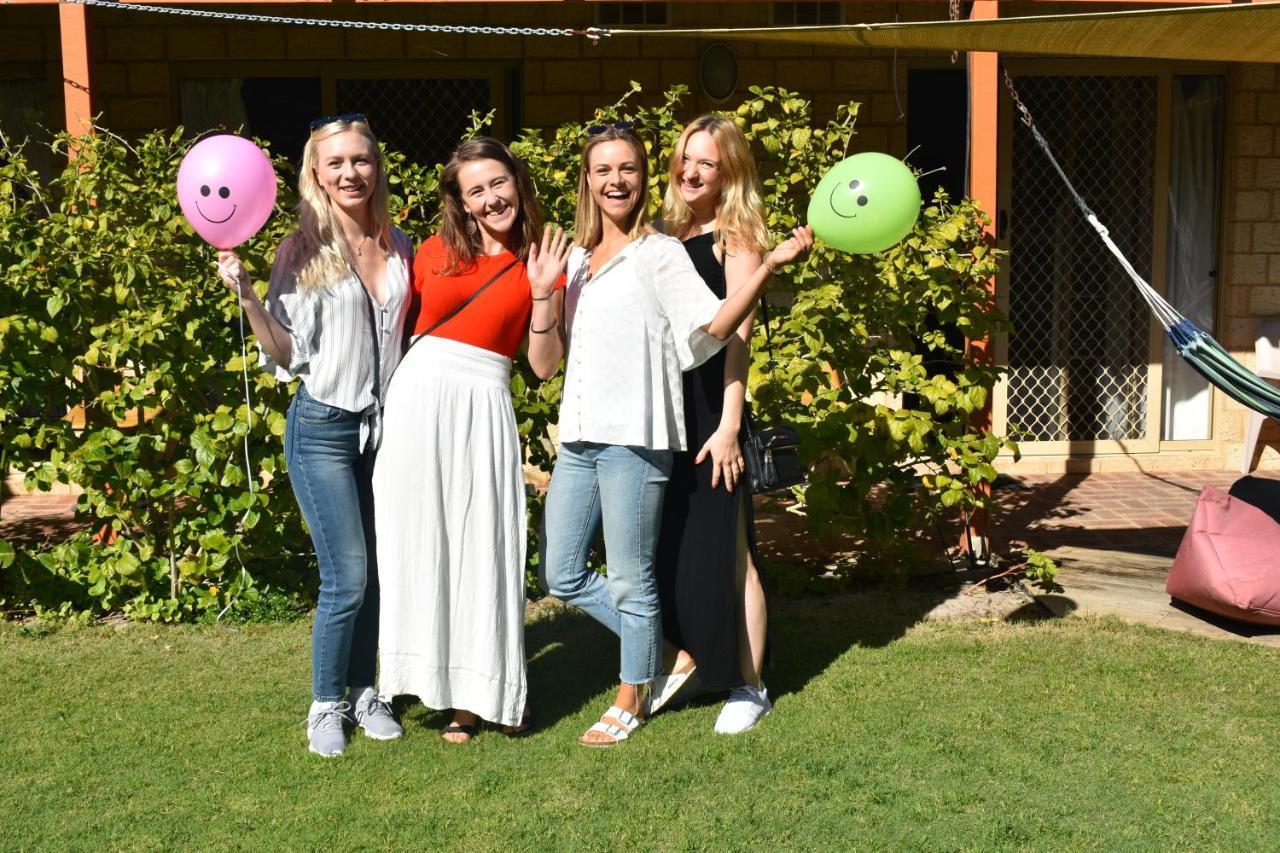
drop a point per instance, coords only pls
(534, 331)
(770, 267)
(543, 298)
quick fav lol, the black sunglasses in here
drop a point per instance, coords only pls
(318, 123)
(620, 126)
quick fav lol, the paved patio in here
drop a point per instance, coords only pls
(1114, 535)
(37, 518)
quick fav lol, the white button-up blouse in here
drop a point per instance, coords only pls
(633, 328)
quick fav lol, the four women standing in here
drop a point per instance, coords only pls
(450, 524)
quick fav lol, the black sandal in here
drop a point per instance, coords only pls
(523, 728)
(458, 729)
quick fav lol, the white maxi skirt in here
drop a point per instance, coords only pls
(449, 506)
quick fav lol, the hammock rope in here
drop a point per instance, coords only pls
(1194, 345)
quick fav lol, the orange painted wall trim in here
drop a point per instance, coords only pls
(984, 161)
(73, 21)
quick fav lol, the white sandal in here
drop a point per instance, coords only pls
(622, 725)
(664, 689)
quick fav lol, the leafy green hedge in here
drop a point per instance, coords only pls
(110, 306)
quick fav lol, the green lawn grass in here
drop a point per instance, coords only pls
(1077, 734)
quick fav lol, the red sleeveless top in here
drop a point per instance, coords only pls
(497, 320)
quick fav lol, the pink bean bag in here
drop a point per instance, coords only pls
(1229, 560)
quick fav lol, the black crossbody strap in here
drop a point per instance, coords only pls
(456, 311)
(479, 290)
(768, 338)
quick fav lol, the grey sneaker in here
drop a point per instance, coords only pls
(326, 732)
(374, 715)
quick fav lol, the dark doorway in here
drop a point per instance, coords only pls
(280, 110)
(937, 128)
(937, 134)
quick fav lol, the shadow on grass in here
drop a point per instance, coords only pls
(572, 660)
(809, 634)
(1046, 606)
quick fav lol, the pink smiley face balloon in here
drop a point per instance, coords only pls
(227, 189)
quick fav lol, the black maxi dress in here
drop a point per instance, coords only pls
(697, 544)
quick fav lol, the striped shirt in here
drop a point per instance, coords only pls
(332, 347)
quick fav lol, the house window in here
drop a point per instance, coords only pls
(1080, 349)
(24, 114)
(631, 14)
(807, 14)
(424, 118)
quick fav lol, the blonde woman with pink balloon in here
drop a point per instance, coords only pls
(334, 317)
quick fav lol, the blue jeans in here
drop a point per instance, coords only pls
(621, 488)
(331, 481)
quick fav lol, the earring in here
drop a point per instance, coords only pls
(472, 226)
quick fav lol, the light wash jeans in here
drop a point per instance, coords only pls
(621, 488)
(331, 481)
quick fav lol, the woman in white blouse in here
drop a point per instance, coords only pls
(637, 315)
(334, 317)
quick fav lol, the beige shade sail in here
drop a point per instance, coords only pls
(1228, 33)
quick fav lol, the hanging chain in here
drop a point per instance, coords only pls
(593, 33)
(1017, 102)
(955, 16)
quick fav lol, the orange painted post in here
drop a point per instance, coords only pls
(984, 135)
(77, 92)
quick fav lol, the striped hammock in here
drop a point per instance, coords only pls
(1193, 344)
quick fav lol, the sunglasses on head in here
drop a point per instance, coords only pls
(318, 123)
(620, 126)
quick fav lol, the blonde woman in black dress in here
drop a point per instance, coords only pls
(714, 615)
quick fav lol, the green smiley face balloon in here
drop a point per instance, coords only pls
(865, 204)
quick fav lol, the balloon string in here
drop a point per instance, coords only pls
(248, 398)
(248, 472)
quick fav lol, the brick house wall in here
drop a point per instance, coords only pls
(1251, 281)
(29, 48)
(138, 58)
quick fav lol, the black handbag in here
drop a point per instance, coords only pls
(772, 458)
(771, 455)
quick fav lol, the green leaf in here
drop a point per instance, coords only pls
(127, 565)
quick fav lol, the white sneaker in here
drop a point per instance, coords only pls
(746, 707)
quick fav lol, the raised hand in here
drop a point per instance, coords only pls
(792, 249)
(546, 263)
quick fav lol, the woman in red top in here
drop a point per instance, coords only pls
(449, 499)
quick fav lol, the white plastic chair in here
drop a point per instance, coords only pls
(1267, 355)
